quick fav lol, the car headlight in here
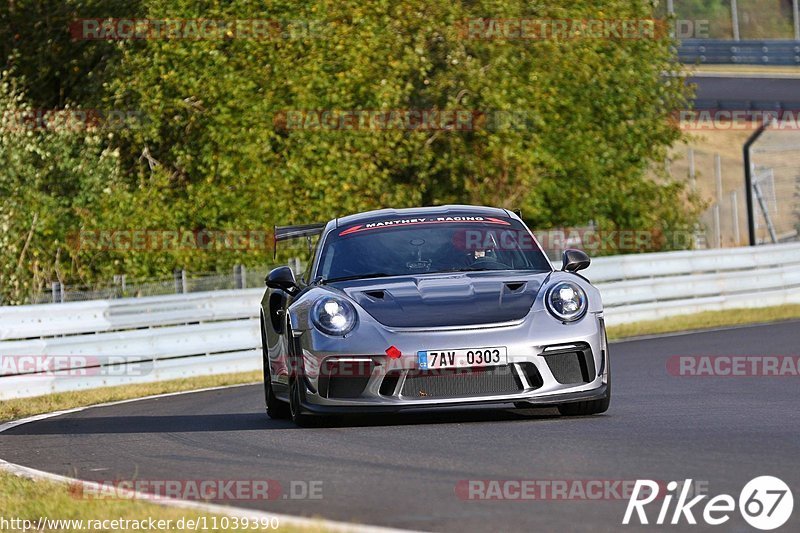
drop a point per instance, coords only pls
(566, 301)
(334, 315)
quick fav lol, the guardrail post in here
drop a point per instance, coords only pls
(119, 279)
(239, 277)
(58, 292)
(796, 18)
(735, 217)
(180, 281)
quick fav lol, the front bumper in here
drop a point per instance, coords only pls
(556, 364)
(534, 400)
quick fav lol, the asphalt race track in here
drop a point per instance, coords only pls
(402, 471)
(737, 92)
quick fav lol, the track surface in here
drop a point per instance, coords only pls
(786, 91)
(401, 471)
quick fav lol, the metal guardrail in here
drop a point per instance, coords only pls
(652, 286)
(176, 336)
(727, 52)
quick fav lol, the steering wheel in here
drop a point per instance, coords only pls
(488, 263)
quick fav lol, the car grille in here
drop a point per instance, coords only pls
(572, 366)
(461, 382)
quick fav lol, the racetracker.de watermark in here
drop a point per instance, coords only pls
(540, 29)
(154, 240)
(68, 366)
(454, 120)
(69, 120)
(588, 239)
(734, 366)
(199, 29)
(200, 489)
(737, 119)
(554, 489)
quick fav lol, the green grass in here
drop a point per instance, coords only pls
(710, 319)
(29, 500)
(746, 69)
(22, 407)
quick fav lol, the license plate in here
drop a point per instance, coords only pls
(462, 358)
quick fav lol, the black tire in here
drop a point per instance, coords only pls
(299, 417)
(590, 407)
(297, 387)
(276, 409)
(586, 408)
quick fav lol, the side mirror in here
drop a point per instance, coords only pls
(574, 260)
(282, 278)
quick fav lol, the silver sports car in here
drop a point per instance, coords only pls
(431, 307)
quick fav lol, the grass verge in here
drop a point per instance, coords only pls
(29, 500)
(746, 69)
(25, 499)
(22, 407)
(710, 319)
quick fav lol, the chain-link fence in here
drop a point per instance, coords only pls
(181, 282)
(733, 19)
(775, 176)
(715, 170)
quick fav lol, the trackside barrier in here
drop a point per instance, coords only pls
(196, 334)
(651, 286)
(752, 52)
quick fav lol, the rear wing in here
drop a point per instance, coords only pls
(283, 233)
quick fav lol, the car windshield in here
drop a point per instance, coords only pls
(425, 245)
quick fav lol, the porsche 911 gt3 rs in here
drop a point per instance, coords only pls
(431, 307)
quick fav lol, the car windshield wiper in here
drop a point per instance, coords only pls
(357, 276)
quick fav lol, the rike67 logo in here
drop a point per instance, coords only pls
(765, 503)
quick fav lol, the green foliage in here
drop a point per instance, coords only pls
(36, 42)
(212, 154)
(50, 181)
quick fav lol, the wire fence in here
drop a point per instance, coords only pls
(775, 164)
(734, 19)
(716, 173)
(182, 282)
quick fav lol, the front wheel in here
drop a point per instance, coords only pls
(295, 406)
(276, 409)
(591, 407)
(588, 407)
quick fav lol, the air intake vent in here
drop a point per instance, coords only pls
(375, 295)
(344, 379)
(571, 365)
(461, 382)
(515, 286)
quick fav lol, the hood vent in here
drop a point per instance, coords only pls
(375, 295)
(514, 286)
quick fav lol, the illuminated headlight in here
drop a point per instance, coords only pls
(566, 301)
(334, 316)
